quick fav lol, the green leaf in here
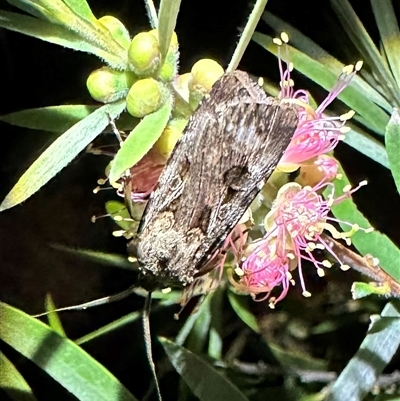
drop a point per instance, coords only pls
(140, 141)
(205, 382)
(240, 306)
(120, 214)
(310, 48)
(59, 357)
(103, 45)
(166, 300)
(60, 153)
(375, 243)
(12, 382)
(392, 142)
(385, 17)
(215, 342)
(81, 8)
(295, 360)
(366, 144)
(52, 316)
(204, 311)
(52, 118)
(362, 290)
(167, 17)
(201, 327)
(102, 258)
(318, 72)
(381, 343)
(363, 42)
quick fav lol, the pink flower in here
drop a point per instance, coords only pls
(263, 270)
(294, 226)
(315, 134)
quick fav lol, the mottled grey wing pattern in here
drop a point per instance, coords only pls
(230, 147)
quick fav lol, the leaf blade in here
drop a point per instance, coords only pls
(63, 360)
(61, 152)
(140, 141)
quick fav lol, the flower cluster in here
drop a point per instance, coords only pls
(299, 213)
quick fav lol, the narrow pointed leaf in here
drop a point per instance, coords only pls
(205, 382)
(111, 52)
(374, 243)
(140, 141)
(376, 351)
(60, 153)
(59, 357)
(52, 317)
(240, 306)
(167, 17)
(102, 258)
(392, 141)
(385, 17)
(52, 118)
(318, 72)
(12, 382)
(361, 39)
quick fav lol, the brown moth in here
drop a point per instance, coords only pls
(229, 148)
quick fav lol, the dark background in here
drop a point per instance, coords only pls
(34, 74)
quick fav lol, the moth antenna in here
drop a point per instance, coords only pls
(147, 341)
(95, 302)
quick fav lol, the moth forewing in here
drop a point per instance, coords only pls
(231, 145)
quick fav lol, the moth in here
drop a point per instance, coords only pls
(228, 150)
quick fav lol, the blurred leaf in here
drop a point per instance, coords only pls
(376, 351)
(361, 290)
(103, 258)
(240, 306)
(167, 17)
(385, 17)
(166, 300)
(205, 382)
(120, 214)
(52, 317)
(140, 141)
(295, 360)
(309, 47)
(203, 311)
(13, 383)
(392, 141)
(365, 45)
(319, 73)
(52, 118)
(366, 144)
(60, 358)
(375, 243)
(113, 54)
(60, 153)
(199, 333)
(216, 327)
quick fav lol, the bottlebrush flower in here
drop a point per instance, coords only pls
(315, 134)
(294, 227)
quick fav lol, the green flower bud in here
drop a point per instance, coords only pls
(117, 29)
(170, 136)
(204, 75)
(144, 97)
(107, 85)
(144, 54)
